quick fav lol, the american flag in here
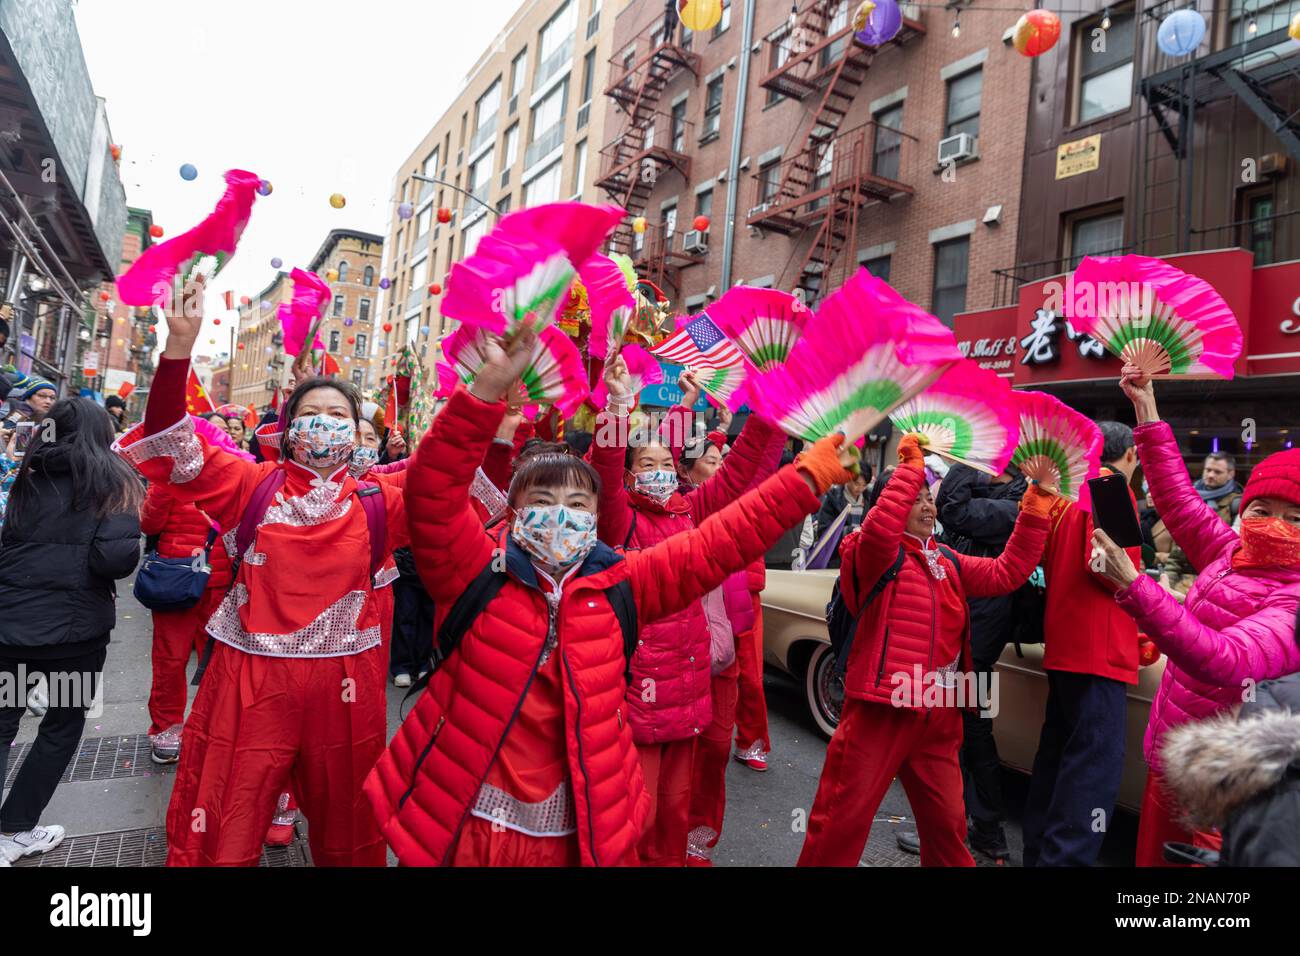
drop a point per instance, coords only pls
(700, 344)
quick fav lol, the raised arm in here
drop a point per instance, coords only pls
(608, 453)
(989, 577)
(1194, 525)
(749, 462)
(1258, 647)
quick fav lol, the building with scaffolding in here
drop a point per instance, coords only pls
(62, 206)
(811, 155)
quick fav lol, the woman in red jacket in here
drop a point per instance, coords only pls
(909, 669)
(295, 687)
(641, 505)
(519, 753)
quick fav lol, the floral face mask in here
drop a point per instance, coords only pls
(658, 485)
(555, 535)
(322, 441)
(363, 459)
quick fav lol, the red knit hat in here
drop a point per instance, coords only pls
(1277, 476)
(718, 439)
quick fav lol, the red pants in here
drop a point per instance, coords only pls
(481, 845)
(667, 770)
(175, 635)
(1159, 825)
(709, 777)
(751, 708)
(262, 724)
(872, 744)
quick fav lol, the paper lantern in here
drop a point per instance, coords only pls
(153, 328)
(638, 224)
(405, 210)
(212, 341)
(444, 214)
(1293, 31)
(264, 188)
(104, 296)
(352, 340)
(338, 200)
(121, 342)
(1180, 33)
(424, 330)
(267, 305)
(701, 224)
(120, 320)
(216, 321)
(189, 173)
(877, 23)
(240, 346)
(388, 326)
(435, 289)
(699, 14)
(384, 283)
(1036, 32)
(277, 262)
(245, 300)
(243, 368)
(116, 152)
(331, 275)
(156, 231)
(269, 350)
(347, 322)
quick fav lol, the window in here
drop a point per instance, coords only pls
(951, 260)
(839, 20)
(480, 175)
(1257, 230)
(549, 112)
(518, 67)
(825, 167)
(503, 205)
(343, 270)
(878, 267)
(368, 277)
(422, 223)
(338, 305)
(1105, 82)
(334, 340)
(473, 233)
(487, 106)
(430, 169)
(361, 344)
(964, 104)
(363, 311)
(1096, 234)
(545, 188)
(679, 127)
(725, 23)
(888, 146)
(555, 44)
(704, 203)
(769, 179)
(1269, 15)
(588, 75)
(580, 168)
(712, 110)
(356, 377)
(669, 218)
(781, 51)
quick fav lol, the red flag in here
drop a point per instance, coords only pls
(229, 298)
(197, 401)
(125, 389)
(331, 366)
(393, 405)
(275, 399)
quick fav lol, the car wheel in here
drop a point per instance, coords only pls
(824, 689)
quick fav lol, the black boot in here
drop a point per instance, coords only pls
(990, 840)
(909, 841)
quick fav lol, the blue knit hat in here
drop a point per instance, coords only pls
(30, 386)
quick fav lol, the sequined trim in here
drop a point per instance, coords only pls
(284, 817)
(318, 506)
(177, 442)
(946, 676)
(386, 576)
(932, 561)
(333, 634)
(487, 493)
(553, 817)
(698, 840)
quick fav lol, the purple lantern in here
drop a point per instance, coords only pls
(406, 210)
(347, 322)
(883, 24)
(384, 283)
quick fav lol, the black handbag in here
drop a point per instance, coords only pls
(173, 584)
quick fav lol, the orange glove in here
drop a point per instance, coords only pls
(909, 451)
(1037, 501)
(822, 463)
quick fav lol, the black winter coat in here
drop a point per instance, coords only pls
(57, 576)
(1264, 830)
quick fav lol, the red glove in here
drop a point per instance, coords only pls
(822, 463)
(909, 452)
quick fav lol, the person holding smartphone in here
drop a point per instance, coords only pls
(1236, 628)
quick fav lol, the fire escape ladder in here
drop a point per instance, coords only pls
(1269, 112)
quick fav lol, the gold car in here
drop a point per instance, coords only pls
(795, 641)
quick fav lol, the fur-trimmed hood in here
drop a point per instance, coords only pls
(1214, 766)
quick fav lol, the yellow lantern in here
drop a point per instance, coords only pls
(338, 201)
(638, 224)
(699, 14)
(332, 275)
(1293, 31)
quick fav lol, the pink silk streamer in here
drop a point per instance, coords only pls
(310, 295)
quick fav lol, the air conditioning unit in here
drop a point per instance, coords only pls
(761, 207)
(956, 148)
(695, 241)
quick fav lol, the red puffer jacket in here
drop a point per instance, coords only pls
(897, 633)
(182, 531)
(668, 698)
(423, 787)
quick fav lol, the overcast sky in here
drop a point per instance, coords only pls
(318, 97)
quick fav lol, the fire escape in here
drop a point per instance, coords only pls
(652, 143)
(822, 185)
(1170, 196)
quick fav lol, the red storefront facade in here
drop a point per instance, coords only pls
(1253, 415)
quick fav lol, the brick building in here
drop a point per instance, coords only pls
(837, 161)
(523, 130)
(259, 367)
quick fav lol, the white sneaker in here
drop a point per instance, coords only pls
(37, 840)
(402, 680)
(38, 701)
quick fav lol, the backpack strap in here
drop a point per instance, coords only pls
(631, 530)
(620, 599)
(951, 555)
(263, 495)
(372, 503)
(879, 586)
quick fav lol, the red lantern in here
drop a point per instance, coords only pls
(444, 214)
(153, 328)
(435, 289)
(240, 346)
(1036, 32)
(216, 321)
(352, 340)
(156, 231)
(116, 151)
(104, 296)
(244, 300)
(388, 326)
(701, 223)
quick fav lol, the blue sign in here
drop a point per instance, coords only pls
(668, 394)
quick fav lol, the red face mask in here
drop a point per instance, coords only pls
(1267, 542)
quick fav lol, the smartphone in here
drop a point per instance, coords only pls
(1113, 511)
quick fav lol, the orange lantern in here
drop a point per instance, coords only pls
(1036, 32)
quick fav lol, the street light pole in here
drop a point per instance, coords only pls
(443, 182)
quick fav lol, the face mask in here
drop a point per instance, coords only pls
(658, 485)
(363, 459)
(1267, 542)
(555, 535)
(321, 441)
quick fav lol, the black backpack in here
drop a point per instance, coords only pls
(841, 625)
(479, 595)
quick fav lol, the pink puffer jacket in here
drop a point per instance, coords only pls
(1237, 628)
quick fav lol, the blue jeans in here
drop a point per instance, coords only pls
(1077, 770)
